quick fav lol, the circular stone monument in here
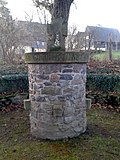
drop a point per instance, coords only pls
(57, 91)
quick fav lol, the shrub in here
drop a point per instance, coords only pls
(105, 83)
(100, 71)
(109, 98)
(13, 83)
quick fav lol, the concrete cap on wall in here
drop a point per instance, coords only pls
(56, 57)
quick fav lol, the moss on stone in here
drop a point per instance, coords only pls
(57, 57)
(56, 48)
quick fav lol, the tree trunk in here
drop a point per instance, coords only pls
(57, 31)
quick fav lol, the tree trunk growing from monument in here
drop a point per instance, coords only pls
(57, 30)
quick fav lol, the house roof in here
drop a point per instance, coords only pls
(103, 34)
(37, 31)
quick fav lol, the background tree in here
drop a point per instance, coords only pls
(11, 35)
(71, 38)
(76, 40)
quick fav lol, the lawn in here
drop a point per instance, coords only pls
(100, 142)
(104, 56)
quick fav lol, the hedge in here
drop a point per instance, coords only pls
(19, 83)
(15, 69)
(105, 83)
(100, 71)
(13, 83)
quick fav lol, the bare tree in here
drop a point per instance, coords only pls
(44, 10)
(91, 38)
(12, 36)
(71, 38)
(76, 40)
(12, 39)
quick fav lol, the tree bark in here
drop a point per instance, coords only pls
(59, 23)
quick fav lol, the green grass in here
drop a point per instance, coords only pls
(100, 142)
(104, 56)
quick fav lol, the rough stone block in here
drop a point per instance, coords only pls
(61, 98)
(51, 91)
(27, 104)
(46, 108)
(66, 77)
(88, 103)
(69, 119)
(69, 110)
(58, 110)
(40, 99)
(47, 83)
(77, 80)
(78, 129)
(54, 78)
(43, 77)
(68, 90)
(63, 127)
(67, 70)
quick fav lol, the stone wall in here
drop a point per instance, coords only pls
(58, 102)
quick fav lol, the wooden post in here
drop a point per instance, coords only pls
(110, 47)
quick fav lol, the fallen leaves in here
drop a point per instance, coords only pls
(11, 107)
(108, 107)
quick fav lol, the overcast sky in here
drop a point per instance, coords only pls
(88, 12)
